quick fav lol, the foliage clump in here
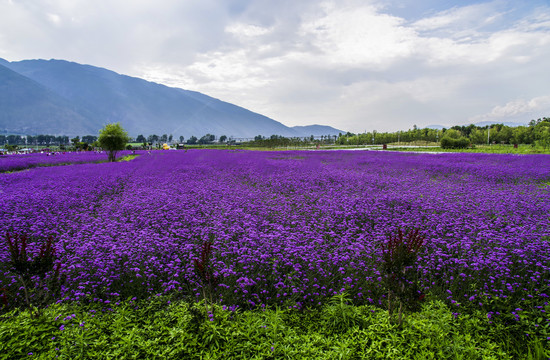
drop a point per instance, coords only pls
(400, 277)
(450, 143)
(113, 138)
(163, 328)
(37, 275)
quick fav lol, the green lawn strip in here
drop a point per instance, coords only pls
(127, 157)
(155, 328)
(487, 149)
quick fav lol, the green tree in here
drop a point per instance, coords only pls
(192, 140)
(75, 141)
(207, 139)
(113, 138)
(478, 136)
(542, 133)
(89, 139)
(223, 138)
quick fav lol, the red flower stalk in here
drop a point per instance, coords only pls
(410, 239)
(42, 288)
(46, 249)
(201, 265)
(3, 292)
(17, 254)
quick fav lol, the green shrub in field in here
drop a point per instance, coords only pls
(400, 279)
(450, 143)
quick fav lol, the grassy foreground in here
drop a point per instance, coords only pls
(160, 329)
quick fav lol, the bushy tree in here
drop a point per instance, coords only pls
(141, 139)
(113, 138)
(207, 139)
(89, 139)
(450, 143)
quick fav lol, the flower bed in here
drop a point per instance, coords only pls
(289, 228)
(15, 162)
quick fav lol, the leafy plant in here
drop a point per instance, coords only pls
(399, 257)
(27, 269)
(339, 314)
(205, 273)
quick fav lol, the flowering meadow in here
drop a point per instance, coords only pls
(288, 228)
(16, 162)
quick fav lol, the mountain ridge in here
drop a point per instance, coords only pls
(97, 96)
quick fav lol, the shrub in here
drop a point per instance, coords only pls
(400, 276)
(450, 143)
(36, 275)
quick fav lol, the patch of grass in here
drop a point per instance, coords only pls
(161, 327)
(488, 149)
(127, 157)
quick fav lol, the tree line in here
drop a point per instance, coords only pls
(537, 133)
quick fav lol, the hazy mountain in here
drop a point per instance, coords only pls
(435, 127)
(511, 124)
(479, 124)
(27, 107)
(317, 130)
(89, 97)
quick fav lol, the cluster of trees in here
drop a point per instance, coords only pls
(281, 141)
(537, 132)
(29, 140)
(206, 139)
(152, 139)
(165, 138)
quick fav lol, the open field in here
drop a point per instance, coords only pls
(17, 162)
(291, 230)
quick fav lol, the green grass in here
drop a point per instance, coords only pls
(159, 329)
(127, 157)
(488, 149)
(418, 146)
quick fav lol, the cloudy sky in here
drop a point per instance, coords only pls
(352, 64)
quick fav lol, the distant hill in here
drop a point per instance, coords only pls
(510, 124)
(317, 130)
(435, 127)
(479, 124)
(27, 107)
(61, 97)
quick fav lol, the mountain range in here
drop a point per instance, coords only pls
(65, 98)
(479, 124)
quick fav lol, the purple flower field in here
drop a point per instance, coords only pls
(24, 161)
(289, 228)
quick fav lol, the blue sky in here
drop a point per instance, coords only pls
(353, 64)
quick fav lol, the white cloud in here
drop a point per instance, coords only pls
(517, 109)
(359, 36)
(54, 18)
(461, 20)
(246, 30)
(352, 64)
